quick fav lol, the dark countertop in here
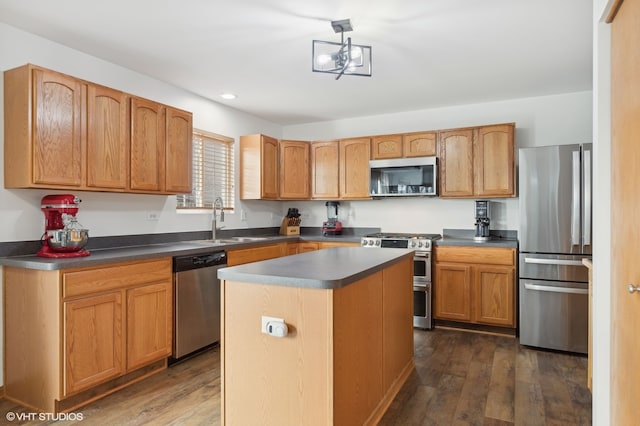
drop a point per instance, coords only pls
(105, 256)
(464, 237)
(309, 270)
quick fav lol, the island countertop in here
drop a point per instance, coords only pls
(324, 269)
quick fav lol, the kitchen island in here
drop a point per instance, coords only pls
(349, 345)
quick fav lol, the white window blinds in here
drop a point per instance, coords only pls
(213, 172)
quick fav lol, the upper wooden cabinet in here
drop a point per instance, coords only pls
(456, 163)
(421, 144)
(354, 168)
(44, 122)
(178, 151)
(477, 162)
(387, 146)
(494, 161)
(147, 145)
(160, 147)
(107, 138)
(294, 170)
(258, 167)
(325, 176)
(66, 133)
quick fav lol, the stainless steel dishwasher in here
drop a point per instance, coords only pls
(196, 302)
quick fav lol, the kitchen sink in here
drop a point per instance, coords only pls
(249, 238)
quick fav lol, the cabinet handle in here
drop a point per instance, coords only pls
(631, 288)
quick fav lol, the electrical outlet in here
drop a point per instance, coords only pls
(243, 215)
(153, 216)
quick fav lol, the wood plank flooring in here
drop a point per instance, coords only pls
(461, 378)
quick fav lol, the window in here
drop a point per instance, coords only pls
(213, 172)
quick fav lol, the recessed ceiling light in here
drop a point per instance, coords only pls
(228, 96)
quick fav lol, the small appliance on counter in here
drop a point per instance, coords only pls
(483, 219)
(63, 235)
(332, 226)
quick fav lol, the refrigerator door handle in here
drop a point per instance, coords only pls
(575, 199)
(553, 261)
(551, 289)
(586, 201)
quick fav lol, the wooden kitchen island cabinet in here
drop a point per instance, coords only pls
(349, 346)
(475, 285)
(75, 335)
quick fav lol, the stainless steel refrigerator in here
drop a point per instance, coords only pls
(555, 235)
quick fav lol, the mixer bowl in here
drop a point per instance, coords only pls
(66, 240)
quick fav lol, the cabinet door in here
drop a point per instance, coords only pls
(354, 168)
(147, 145)
(269, 168)
(494, 161)
(493, 295)
(456, 163)
(387, 146)
(452, 291)
(93, 345)
(294, 170)
(291, 248)
(419, 144)
(107, 138)
(325, 176)
(178, 151)
(305, 247)
(254, 254)
(149, 324)
(58, 126)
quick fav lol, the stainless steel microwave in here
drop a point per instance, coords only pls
(403, 177)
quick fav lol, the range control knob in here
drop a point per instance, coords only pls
(377, 242)
(420, 244)
(413, 243)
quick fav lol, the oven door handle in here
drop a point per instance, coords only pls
(421, 254)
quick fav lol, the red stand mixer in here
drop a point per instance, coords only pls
(63, 235)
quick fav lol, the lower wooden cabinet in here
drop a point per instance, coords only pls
(255, 254)
(475, 285)
(105, 327)
(149, 323)
(93, 340)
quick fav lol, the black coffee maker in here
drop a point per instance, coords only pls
(483, 219)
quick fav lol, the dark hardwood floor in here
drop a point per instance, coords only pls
(461, 378)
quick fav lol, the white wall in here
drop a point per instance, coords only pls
(545, 120)
(601, 216)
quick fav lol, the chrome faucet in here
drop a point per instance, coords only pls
(214, 225)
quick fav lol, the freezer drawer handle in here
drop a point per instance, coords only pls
(529, 286)
(553, 261)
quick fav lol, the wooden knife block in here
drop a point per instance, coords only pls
(286, 229)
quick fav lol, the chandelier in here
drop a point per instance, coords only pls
(344, 58)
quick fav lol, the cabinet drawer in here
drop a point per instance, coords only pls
(483, 255)
(87, 281)
(241, 256)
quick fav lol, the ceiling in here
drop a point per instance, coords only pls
(426, 53)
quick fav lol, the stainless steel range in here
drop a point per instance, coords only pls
(421, 243)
